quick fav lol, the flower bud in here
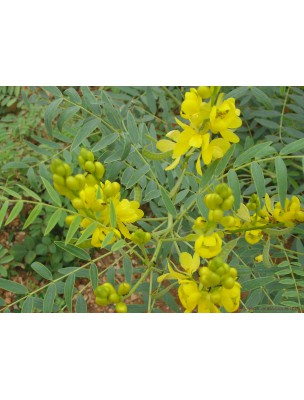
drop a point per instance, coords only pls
(99, 169)
(77, 203)
(72, 183)
(228, 203)
(89, 166)
(59, 179)
(123, 289)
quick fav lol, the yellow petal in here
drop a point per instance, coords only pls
(198, 165)
(196, 141)
(173, 165)
(230, 136)
(165, 145)
(174, 135)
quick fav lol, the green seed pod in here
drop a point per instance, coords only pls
(99, 169)
(72, 183)
(59, 179)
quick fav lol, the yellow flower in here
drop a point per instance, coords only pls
(208, 246)
(224, 118)
(189, 295)
(259, 258)
(194, 109)
(172, 275)
(210, 151)
(205, 304)
(230, 298)
(99, 235)
(190, 264)
(253, 236)
(199, 225)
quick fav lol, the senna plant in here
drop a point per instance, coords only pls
(203, 210)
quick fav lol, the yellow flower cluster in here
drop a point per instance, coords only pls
(93, 198)
(216, 286)
(271, 213)
(208, 114)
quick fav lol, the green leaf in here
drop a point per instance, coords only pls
(168, 202)
(87, 233)
(84, 132)
(132, 128)
(29, 192)
(66, 115)
(293, 147)
(224, 161)
(252, 152)
(81, 305)
(73, 228)
(259, 181)
(48, 301)
(267, 123)
(128, 269)
(234, 183)
(68, 291)
(15, 212)
(50, 113)
(112, 214)
(27, 305)
(42, 270)
(13, 287)
(203, 209)
(261, 97)
(75, 251)
(281, 173)
(11, 192)
(94, 276)
(257, 283)
(151, 100)
(107, 239)
(237, 93)
(53, 90)
(227, 249)
(105, 141)
(73, 95)
(266, 258)
(52, 192)
(15, 165)
(160, 294)
(3, 211)
(254, 298)
(134, 178)
(33, 215)
(53, 221)
(118, 245)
